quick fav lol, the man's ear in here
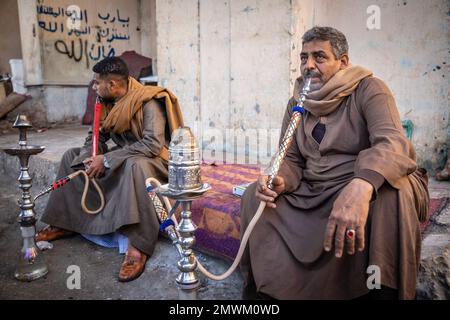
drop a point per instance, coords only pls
(112, 83)
(344, 61)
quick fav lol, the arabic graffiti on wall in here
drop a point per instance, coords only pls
(81, 35)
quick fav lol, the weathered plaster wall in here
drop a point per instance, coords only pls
(147, 25)
(178, 51)
(233, 63)
(101, 29)
(229, 63)
(410, 52)
(31, 42)
(59, 60)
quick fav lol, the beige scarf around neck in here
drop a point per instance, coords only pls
(325, 100)
(127, 113)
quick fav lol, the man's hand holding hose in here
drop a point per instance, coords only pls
(267, 195)
(95, 167)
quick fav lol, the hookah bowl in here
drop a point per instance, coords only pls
(31, 264)
(184, 186)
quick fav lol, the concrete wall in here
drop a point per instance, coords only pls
(233, 63)
(147, 24)
(229, 63)
(178, 51)
(410, 52)
(31, 42)
(9, 41)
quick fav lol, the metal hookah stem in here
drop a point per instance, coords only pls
(289, 134)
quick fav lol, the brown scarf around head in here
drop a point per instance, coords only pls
(127, 113)
(325, 100)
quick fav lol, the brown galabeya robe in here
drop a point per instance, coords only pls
(285, 258)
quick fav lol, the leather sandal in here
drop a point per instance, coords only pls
(132, 267)
(51, 233)
(444, 174)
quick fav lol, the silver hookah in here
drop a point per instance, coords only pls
(31, 264)
(184, 186)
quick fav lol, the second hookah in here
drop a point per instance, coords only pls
(31, 265)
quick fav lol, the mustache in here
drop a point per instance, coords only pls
(312, 74)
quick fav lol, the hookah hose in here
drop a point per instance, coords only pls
(61, 182)
(168, 225)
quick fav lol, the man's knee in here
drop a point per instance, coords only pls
(141, 166)
(249, 193)
(248, 202)
(137, 162)
(71, 154)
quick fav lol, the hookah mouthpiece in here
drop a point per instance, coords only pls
(297, 112)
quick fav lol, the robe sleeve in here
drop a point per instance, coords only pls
(153, 137)
(390, 154)
(292, 167)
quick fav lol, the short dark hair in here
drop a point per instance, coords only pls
(112, 65)
(337, 39)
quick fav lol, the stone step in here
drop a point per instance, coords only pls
(43, 167)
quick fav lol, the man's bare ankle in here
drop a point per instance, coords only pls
(132, 251)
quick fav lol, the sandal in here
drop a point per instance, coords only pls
(444, 174)
(132, 267)
(51, 233)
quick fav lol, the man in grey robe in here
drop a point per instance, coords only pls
(139, 119)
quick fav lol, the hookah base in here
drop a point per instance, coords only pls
(31, 275)
(188, 291)
(186, 281)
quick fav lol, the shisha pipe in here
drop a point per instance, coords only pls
(94, 150)
(168, 222)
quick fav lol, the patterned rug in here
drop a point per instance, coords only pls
(217, 213)
(436, 205)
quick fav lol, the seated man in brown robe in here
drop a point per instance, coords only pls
(139, 119)
(342, 219)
